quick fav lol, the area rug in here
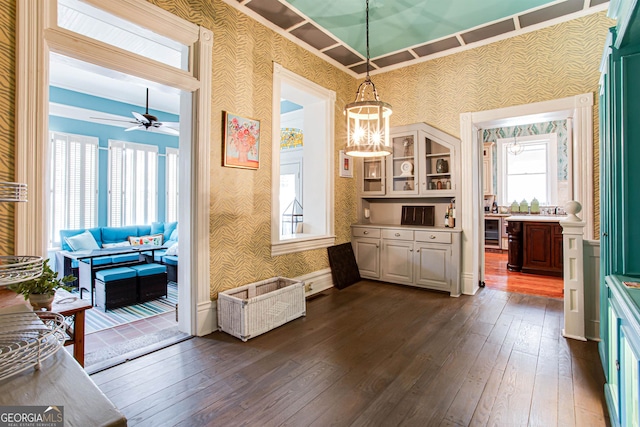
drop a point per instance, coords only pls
(97, 319)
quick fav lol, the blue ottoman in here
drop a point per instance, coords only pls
(151, 281)
(115, 287)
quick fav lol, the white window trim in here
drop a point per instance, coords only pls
(303, 243)
(552, 164)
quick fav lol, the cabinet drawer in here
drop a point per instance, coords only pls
(366, 232)
(397, 234)
(433, 236)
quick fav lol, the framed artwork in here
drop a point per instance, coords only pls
(241, 141)
(346, 165)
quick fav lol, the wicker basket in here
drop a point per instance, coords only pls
(256, 308)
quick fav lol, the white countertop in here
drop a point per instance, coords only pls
(537, 218)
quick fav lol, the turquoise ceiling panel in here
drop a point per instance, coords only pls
(396, 24)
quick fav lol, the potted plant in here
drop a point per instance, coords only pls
(41, 290)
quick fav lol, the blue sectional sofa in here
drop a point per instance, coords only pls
(112, 237)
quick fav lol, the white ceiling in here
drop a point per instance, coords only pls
(80, 76)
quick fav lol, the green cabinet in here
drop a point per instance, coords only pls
(623, 347)
(619, 103)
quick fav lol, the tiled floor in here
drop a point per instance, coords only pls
(120, 334)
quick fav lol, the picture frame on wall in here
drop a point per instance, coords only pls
(241, 141)
(346, 165)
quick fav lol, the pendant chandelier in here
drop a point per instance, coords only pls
(367, 118)
(515, 148)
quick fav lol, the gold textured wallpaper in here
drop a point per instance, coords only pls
(242, 82)
(550, 63)
(7, 113)
(555, 62)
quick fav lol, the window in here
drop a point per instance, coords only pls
(133, 183)
(305, 168)
(74, 177)
(531, 173)
(98, 24)
(171, 174)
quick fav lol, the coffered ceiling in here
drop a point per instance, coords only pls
(403, 32)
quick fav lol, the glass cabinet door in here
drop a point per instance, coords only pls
(438, 170)
(403, 167)
(373, 176)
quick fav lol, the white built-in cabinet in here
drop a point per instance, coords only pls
(422, 164)
(422, 170)
(487, 168)
(416, 256)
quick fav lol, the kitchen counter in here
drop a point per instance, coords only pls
(536, 218)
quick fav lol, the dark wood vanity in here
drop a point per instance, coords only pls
(535, 245)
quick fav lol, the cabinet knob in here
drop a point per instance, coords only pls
(410, 250)
(432, 237)
(366, 232)
(418, 250)
(397, 234)
(377, 246)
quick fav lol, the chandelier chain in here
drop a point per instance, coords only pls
(367, 31)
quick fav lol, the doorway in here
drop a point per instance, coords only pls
(579, 109)
(32, 142)
(526, 171)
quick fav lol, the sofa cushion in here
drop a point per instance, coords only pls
(169, 227)
(118, 234)
(95, 232)
(172, 250)
(154, 239)
(82, 242)
(157, 227)
(174, 235)
(116, 245)
(118, 273)
(126, 257)
(103, 260)
(170, 260)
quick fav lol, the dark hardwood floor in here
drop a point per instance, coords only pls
(496, 276)
(376, 354)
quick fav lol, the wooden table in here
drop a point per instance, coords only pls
(66, 304)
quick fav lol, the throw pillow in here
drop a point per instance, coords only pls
(82, 242)
(154, 239)
(116, 245)
(173, 250)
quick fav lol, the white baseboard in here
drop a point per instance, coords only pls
(316, 281)
(207, 318)
(468, 287)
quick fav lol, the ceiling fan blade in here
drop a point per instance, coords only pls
(140, 117)
(172, 131)
(133, 128)
(172, 124)
(112, 120)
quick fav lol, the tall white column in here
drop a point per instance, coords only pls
(573, 264)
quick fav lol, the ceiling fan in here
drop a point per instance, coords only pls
(146, 121)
